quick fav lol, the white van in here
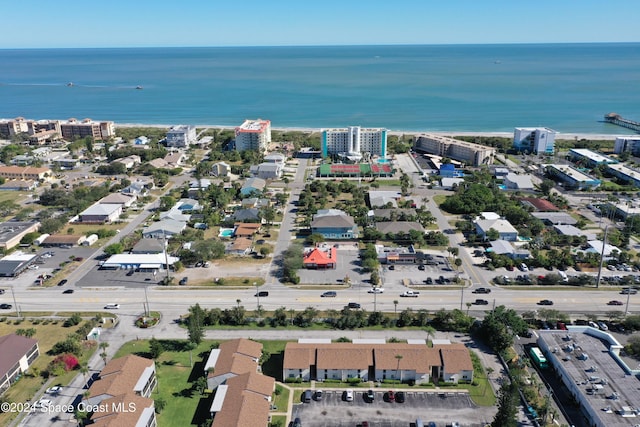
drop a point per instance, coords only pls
(564, 276)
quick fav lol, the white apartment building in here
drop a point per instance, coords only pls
(253, 135)
(352, 142)
(181, 136)
(535, 140)
(630, 143)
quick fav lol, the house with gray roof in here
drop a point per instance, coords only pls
(148, 246)
(246, 215)
(555, 218)
(166, 228)
(392, 214)
(334, 224)
(502, 226)
(100, 214)
(395, 227)
(502, 247)
(266, 170)
(253, 185)
(518, 182)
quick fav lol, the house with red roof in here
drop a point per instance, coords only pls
(321, 259)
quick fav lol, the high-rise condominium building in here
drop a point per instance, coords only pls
(535, 140)
(253, 135)
(354, 141)
(630, 143)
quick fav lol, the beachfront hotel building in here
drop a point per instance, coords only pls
(253, 135)
(181, 136)
(535, 140)
(627, 143)
(353, 142)
(444, 146)
(39, 131)
(78, 129)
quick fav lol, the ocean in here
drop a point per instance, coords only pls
(484, 88)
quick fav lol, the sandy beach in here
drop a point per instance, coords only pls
(564, 136)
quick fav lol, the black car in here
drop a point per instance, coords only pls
(353, 305)
(62, 282)
(545, 302)
(392, 267)
(482, 291)
(68, 291)
(429, 281)
(400, 397)
(5, 306)
(481, 302)
(262, 294)
(421, 267)
(183, 281)
(370, 396)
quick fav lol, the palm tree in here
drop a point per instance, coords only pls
(399, 358)
(84, 370)
(103, 346)
(431, 331)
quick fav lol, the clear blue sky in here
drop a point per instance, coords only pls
(129, 23)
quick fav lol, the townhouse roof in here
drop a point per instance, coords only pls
(237, 356)
(13, 347)
(455, 358)
(299, 356)
(343, 356)
(120, 376)
(414, 357)
(245, 409)
(101, 209)
(331, 218)
(241, 244)
(109, 416)
(116, 198)
(23, 170)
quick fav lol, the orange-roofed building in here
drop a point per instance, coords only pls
(321, 259)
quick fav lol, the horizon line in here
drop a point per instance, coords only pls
(320, 45)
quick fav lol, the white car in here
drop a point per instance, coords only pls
(54, 390)
(348, 395)
(42, 403)
(112, 306)
(376, 290)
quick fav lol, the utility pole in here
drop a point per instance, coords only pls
(257, 296)
(15, 303)
(146, 298)
(604, 242)
(166, 257)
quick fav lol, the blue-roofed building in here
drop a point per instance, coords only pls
(448, 170)
(253, 185)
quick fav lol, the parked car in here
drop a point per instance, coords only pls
(319, 394)
(348, 395)
(54, 390)
(391, 396)
(62, 282)
(183, 281)
(400, 397)
(329, 294)
(545, 302)
(392, 267)
(524, 267)
(421, 267)
(603, 326)
(370, 396)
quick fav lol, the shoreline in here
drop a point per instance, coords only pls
(560, 135)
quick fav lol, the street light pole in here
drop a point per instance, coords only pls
(147, 300)
(257, 296)
(604, 242)
(15, 303)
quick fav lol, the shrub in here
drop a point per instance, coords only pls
(63, 363)
(294, 380)
(354, 380)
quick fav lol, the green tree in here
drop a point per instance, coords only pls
(114, 248)
(507, 406)
(195, 324)
(155, 348)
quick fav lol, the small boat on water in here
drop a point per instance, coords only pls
(139, 87)
(70, 84)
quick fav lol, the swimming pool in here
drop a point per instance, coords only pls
(502, 186)
(226, 232)
(384, 161)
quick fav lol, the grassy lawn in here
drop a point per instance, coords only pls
(240, 282)
(281, 398)
(47, 335)
(14, 196)
(84, 229)
(439, 198)
(184, 405)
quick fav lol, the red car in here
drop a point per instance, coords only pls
(391, 396)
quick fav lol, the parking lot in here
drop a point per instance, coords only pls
(433, 406)
(348, 265)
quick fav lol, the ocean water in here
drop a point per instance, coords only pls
(488, 88)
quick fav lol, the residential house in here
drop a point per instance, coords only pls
(148, 246)
(138, 188)
(266, 171)
(456, 363)
(18, 354)
(159, 163)
(277, 158)
(174, 159)
(116, 412)
(165, 228)
(100, 214)
(198, 185)
(555, 218)
(334, 224)
(124, 200)
(141, 140)
(181, 136)
(505, 230)
(502, 247)
(244, 401)
(537, 204)
(130, 161)
(245, 229)
(253, 185)
(321, 258)
(407, 214)
(221, 169)
(188, 205)
(243, 215)
(395, 227)
(240, 246)
(254, 202)
(451, 183)
(518, 182)
(62, 240)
